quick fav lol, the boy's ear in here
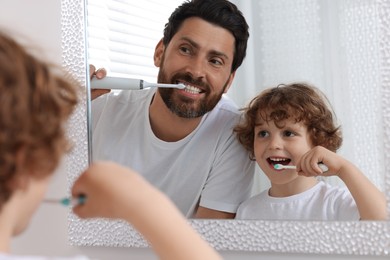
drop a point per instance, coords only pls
(20, 182)
(21, 175)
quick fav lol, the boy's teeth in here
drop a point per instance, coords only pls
(278, 159)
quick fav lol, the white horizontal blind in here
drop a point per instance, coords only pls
(122, 35)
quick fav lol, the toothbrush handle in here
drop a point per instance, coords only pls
(117, 83)
(323, 167)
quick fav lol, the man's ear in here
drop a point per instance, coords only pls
(158, 53)
(230, 81)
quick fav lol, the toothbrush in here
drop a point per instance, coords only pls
(68, 201)
(127, 83)
(322, 166)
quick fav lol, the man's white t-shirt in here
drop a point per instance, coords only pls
(321, 202)
(208, 167)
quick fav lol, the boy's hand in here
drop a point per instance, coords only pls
(308, 164)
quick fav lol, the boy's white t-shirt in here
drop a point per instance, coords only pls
(27, 257)
(321, 202)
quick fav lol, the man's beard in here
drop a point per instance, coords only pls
(183, 106)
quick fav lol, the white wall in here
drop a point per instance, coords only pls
(39, 20)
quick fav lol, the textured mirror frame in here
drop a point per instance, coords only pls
(351, 238)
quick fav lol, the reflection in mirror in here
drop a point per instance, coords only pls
(357, 238)
(318, 42)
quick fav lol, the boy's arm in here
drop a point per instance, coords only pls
(370, 201)
(116, 192)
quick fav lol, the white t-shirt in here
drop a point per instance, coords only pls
(321, 202)
(27, 257)
(209, 166)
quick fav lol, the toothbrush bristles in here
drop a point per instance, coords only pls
(281, 166)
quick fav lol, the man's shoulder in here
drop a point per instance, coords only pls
(224, 115)
(228, 106)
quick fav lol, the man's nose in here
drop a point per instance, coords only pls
(197, 68)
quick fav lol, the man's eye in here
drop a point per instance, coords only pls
(216, 62)
(184, 50)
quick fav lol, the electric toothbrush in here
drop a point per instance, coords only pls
(68, 201)
(129, 84)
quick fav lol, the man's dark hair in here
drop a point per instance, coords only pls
(219, 12)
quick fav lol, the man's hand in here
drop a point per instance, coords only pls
(98, 74)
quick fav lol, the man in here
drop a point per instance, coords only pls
(181, 140)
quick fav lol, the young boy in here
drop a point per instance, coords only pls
(292, 125)
(35, 103)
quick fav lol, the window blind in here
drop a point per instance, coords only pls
(122, 35)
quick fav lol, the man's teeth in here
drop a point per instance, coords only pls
(192, 89)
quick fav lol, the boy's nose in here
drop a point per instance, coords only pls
(275, 143)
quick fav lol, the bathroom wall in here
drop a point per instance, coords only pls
(39, 22)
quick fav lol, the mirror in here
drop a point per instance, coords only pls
(317, 41)
(353, 238)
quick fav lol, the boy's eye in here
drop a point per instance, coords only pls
(289, 133)
(262, 133)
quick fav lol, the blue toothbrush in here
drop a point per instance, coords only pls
(68, 201)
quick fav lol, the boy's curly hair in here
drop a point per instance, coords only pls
(35, 103)
(298, 101)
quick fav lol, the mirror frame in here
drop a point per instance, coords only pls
(314, 237)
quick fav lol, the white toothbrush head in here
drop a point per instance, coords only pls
(181, 86)
(279, 166)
